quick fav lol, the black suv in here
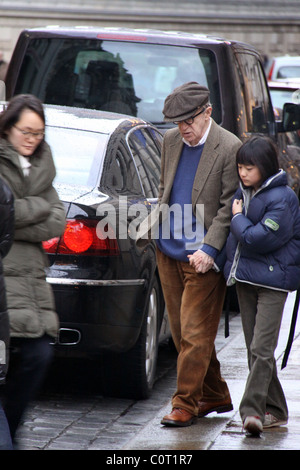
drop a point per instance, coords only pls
(132, 72)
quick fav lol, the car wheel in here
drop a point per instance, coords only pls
(132, 374)
(151, 339)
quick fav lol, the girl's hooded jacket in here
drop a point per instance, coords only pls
(263, 247)
(39, 216)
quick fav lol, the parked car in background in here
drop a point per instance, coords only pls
(284, 94)
(107, 291)
(285, 67)
(132, 71)
(287, 91)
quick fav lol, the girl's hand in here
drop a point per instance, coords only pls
(237, 206)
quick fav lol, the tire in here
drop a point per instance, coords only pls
(132, 374)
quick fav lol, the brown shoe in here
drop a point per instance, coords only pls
(178, 417)
(208, 407)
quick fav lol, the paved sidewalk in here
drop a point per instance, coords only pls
(89, 421)
(224, 431)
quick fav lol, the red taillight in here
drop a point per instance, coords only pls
(271, 70)
(50, 246)
(80, 237)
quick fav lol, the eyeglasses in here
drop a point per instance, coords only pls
(190, 120)
(36, 135)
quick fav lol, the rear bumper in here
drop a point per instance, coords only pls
(98, 315)
(92, 282)
(80, 340)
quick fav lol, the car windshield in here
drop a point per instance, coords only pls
(126, 77)
(279, 97)
(290, 71)
(78, 155)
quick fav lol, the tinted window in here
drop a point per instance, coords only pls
(146, 155)
(131, 78)
(256, 101)
(119, 172)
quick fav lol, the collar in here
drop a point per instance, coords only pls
(203, 139)
(25, 164)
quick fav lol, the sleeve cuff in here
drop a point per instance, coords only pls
(209, 250)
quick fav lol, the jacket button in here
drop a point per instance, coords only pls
(271, 268)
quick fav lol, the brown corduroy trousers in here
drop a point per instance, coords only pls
(194, 303)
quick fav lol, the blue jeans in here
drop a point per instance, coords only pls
(5, 439)
(27, 369)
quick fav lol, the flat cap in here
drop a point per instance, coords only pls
(184, 101)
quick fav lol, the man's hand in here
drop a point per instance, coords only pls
(201, 261)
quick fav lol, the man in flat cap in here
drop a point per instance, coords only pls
(198, 171)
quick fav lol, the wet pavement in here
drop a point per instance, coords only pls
(225, 431)
(86, 420)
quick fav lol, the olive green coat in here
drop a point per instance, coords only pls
(39, 216)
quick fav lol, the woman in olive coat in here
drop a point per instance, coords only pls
(27, 166)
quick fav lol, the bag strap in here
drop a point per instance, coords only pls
(292, 330)
(227, 310)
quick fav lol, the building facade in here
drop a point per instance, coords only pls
(272, 26)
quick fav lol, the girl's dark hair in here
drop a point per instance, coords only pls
(261, 152)
(11, 115)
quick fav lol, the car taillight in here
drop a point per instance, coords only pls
(271, 70)
(80, 237)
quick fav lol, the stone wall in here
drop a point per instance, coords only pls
(272, 26)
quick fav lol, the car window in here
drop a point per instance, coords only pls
(257, 104)
(281, 96)
(126, 77)
(146, 154)
(78, 155)
(289, 71)
(119, 170)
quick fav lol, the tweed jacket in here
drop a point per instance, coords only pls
(215, 182)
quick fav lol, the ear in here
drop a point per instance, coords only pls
(208, 111)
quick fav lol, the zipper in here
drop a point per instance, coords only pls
(231, 278)
(261, 285)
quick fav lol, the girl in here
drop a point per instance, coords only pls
(263, 259)
(27, 166)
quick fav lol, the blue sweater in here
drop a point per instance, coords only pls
(182, 234)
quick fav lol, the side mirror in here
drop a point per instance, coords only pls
(290, 118)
